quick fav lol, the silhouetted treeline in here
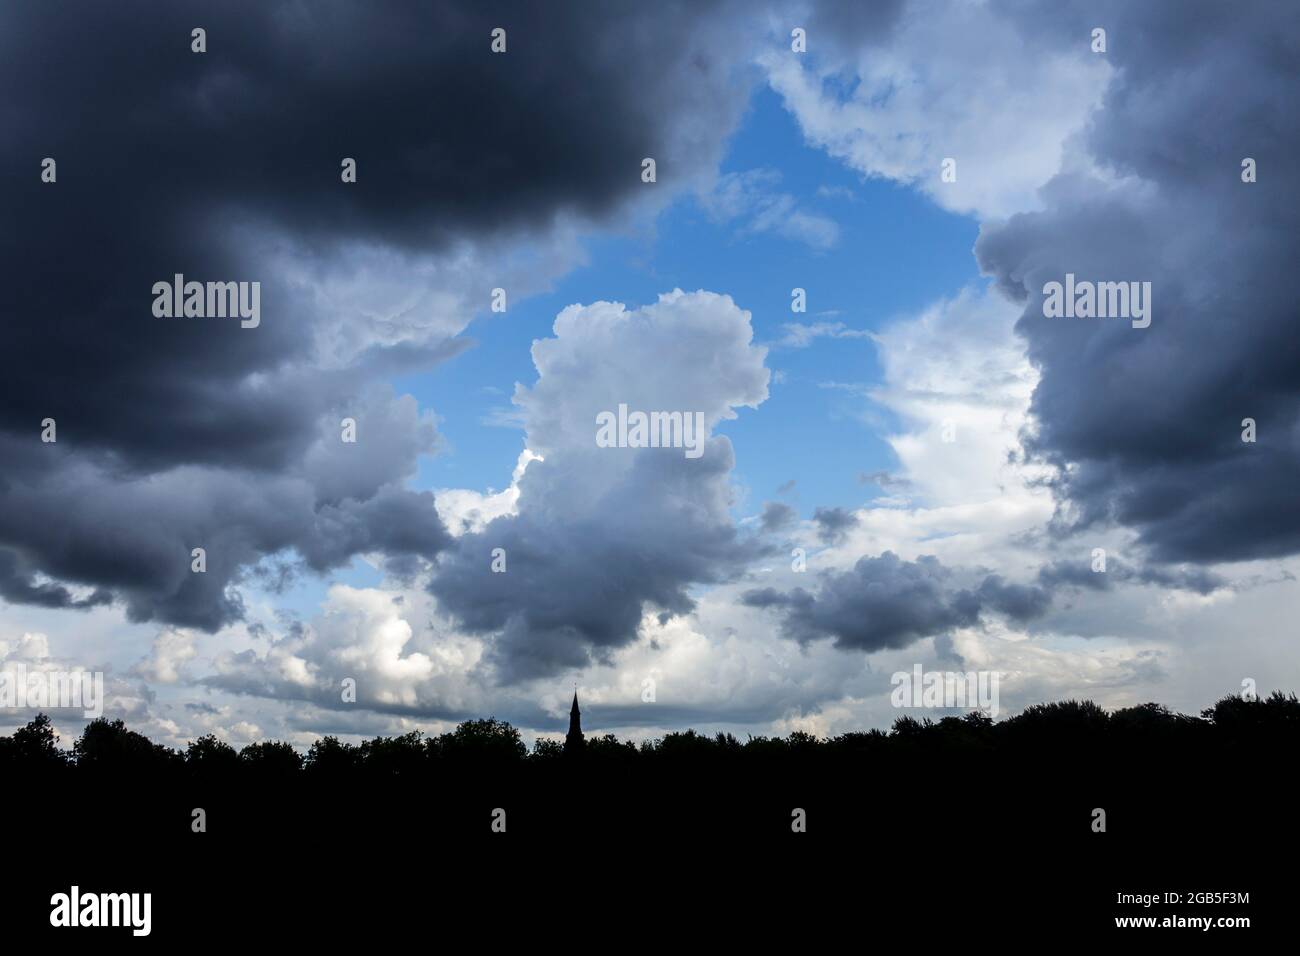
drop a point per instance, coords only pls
(962, 799)
(1071, 730)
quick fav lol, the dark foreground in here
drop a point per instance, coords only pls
(947, 835)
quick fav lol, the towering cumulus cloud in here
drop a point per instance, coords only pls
(225, 166)
(602, 534)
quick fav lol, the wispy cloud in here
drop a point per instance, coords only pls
(753, 201)
(800, 335)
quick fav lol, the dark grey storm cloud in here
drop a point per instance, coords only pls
(887, 602)
(843, 30)
(575, 590)
(833, 523)
(174, 434)
(1150, 420)
(1019, 602)
(18, 586)
(1080, 574)
(777, 515)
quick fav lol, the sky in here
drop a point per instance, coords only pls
(918, 468)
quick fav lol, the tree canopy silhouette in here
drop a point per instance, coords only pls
(1066, 728)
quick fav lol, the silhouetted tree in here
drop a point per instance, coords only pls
(545, 749)
(857, 744)
(489, 739)
(1060, 730)
(405, 756)
(330, 758)
(908, 726)
(609, 748)
(34, 747)
(108, 746)
(274, 758)
(1234, 712)
(211, 758)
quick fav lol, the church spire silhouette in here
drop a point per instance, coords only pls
(575, 741)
